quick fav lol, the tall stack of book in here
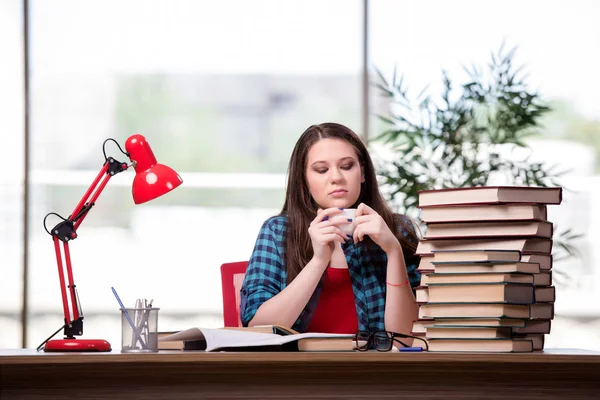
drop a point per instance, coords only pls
(486, 268)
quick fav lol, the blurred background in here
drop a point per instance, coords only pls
(222, 90)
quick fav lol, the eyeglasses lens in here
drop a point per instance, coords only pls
(362, 341)
(382, 341)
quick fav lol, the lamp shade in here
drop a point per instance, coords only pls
(152, 179)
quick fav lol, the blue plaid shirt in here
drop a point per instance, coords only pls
(266, 276)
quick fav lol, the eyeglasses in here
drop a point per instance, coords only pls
(382, 340)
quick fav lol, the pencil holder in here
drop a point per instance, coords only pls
(139, 327)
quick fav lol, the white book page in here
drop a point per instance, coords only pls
(277, 340)
(218, 335)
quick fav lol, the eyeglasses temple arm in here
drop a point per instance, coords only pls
(402, 335)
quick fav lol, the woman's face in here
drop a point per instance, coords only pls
(333, 173)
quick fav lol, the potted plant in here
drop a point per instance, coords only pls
(470, 135)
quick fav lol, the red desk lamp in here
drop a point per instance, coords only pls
(151, 181)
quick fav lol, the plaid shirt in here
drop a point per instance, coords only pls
(266, 277)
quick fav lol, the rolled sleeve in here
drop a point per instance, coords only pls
(414, 276)
(265, 274)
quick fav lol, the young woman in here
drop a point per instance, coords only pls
(305, 273)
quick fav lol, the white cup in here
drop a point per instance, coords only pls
(349, 213)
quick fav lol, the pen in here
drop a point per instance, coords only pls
(128, 317)
(144, 319)
(410, 349)
(137, 313)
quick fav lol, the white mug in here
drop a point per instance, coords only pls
(349, 213)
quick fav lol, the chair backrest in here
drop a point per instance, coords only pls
(232, 277)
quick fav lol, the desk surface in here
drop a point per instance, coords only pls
(551, 374)
(32, 357)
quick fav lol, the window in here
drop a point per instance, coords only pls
(555, 42)
(11, 198)
(221, 90)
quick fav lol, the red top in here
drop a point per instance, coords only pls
(336, 310)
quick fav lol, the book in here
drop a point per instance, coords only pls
(490, 195)
(426, 264)
(545, 294)
(544, 260)
(421, 294)
(276, 329)
(541, 326)
(487, 267)
(466, 310)
(435, 332)
(201, 344)
(420, 325)
(542, 279)
(244, 340)
(537, 341)
(325, 344)
(479, 322)
(172, 345)
(495, 229)
(513, 293)
(481, 255)
(529, 245)
(507, 212)
(464, 278)
(484, 345)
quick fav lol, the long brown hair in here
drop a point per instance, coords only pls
(300, 208)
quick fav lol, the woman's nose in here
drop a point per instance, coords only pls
(336, 175)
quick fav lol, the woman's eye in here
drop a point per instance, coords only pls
(321, 171)
(347, 167)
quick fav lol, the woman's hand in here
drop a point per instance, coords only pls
(324, 231)
(368, 222)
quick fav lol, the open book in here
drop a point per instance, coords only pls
(244, 340)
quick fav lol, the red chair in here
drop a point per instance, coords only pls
(232, 277)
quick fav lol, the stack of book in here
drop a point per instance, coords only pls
(486, 268)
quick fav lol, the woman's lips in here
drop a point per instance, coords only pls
(338, 193)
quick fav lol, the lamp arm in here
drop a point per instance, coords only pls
(110, 168)
(65, 231)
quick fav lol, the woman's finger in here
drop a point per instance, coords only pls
(364, 209)
(365, 218)
(323, 215)
(330, 229)
(335, 221)
(333, 237)
(359, 233)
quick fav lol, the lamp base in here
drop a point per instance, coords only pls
(77, 345)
